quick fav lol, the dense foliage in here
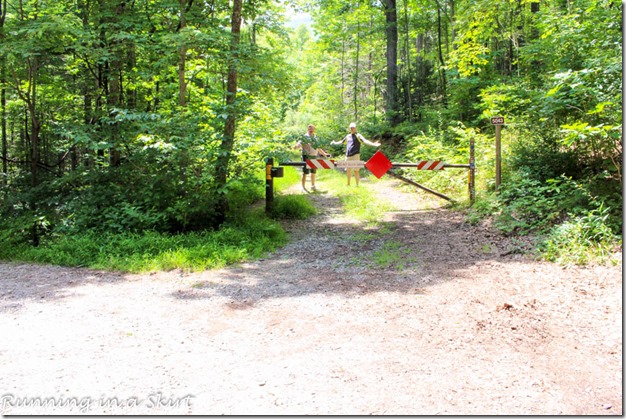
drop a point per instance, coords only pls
(118, 116)
(114, 112)
(552, 69)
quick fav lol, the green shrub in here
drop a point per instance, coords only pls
(245, 239)
(529, 205)
(484, 206)
(581, 240)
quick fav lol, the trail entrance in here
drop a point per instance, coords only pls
(378, 165)
(461, 324)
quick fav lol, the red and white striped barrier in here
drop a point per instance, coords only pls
(320, 164)
(429, 165)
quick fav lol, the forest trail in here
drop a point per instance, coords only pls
(460, 324)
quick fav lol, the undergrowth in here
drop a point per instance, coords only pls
(245, 239)
(581, 240)
(557, 213)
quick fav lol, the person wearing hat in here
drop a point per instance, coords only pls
(353, 143)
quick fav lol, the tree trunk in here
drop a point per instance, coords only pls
(114, 80)
(226, 147)
(85, 87)
(442, 63)
(407, 50)
(30, 98)
(3, 98)
(534, 7)
(3, 122)
(343, 70)
(182, 84)
(451, 15)
(355, 99)
(391, 18)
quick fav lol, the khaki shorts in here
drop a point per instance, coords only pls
(306, 169)
(356, 157)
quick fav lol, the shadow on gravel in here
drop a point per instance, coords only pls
(21, 283)
(411, 251)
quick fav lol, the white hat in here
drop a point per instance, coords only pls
(353, 125)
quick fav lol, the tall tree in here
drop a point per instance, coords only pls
(442, 71)
(182, 82)
(228, 141)
(3, 97)
(407, 62)
(391, 19)
(355, 95)
(113, 72)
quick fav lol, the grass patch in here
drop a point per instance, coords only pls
(392, 255)
(152, 251)
(292, 207)
(581, 240)
(360, 202)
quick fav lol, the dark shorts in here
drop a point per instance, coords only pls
(306, 169)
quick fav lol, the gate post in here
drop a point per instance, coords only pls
(472, 168)
(269, 185)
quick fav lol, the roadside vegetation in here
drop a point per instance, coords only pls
(251, 237)
(133, 134)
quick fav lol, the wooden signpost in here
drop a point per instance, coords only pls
(498, 121)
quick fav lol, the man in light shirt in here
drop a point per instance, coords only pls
(310, 150)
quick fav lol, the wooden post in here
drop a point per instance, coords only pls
(498, 121)
(269, 185)
(472, 173)
(498, 157)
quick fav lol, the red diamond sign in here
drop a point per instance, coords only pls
(379, 164)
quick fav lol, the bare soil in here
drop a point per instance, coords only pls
(463, 324)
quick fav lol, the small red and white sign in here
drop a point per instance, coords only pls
(320, 164)
(429, 165)
(497, 120)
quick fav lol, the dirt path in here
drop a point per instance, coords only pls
(461, 324)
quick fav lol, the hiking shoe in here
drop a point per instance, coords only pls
(313, 188)
(304, 190)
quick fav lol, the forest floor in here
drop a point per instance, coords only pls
(462, 324)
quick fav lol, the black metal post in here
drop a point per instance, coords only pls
(269, 185)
